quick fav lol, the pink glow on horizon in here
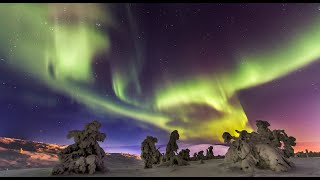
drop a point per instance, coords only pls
(311, 146)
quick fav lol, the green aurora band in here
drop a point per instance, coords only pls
(60, 55)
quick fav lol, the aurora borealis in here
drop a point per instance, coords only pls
(152, 68)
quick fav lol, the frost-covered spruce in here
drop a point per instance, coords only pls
(260, 149)
(171, 156)
(149, 153)
(85, 155)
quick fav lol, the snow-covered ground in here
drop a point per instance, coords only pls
(214, 167)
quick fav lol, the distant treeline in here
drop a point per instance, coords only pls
(307, 154)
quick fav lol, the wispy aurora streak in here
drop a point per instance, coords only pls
(60, 54)
(126, 72)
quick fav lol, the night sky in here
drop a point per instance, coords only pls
(148, 69)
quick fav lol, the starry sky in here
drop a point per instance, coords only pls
(148, 69)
